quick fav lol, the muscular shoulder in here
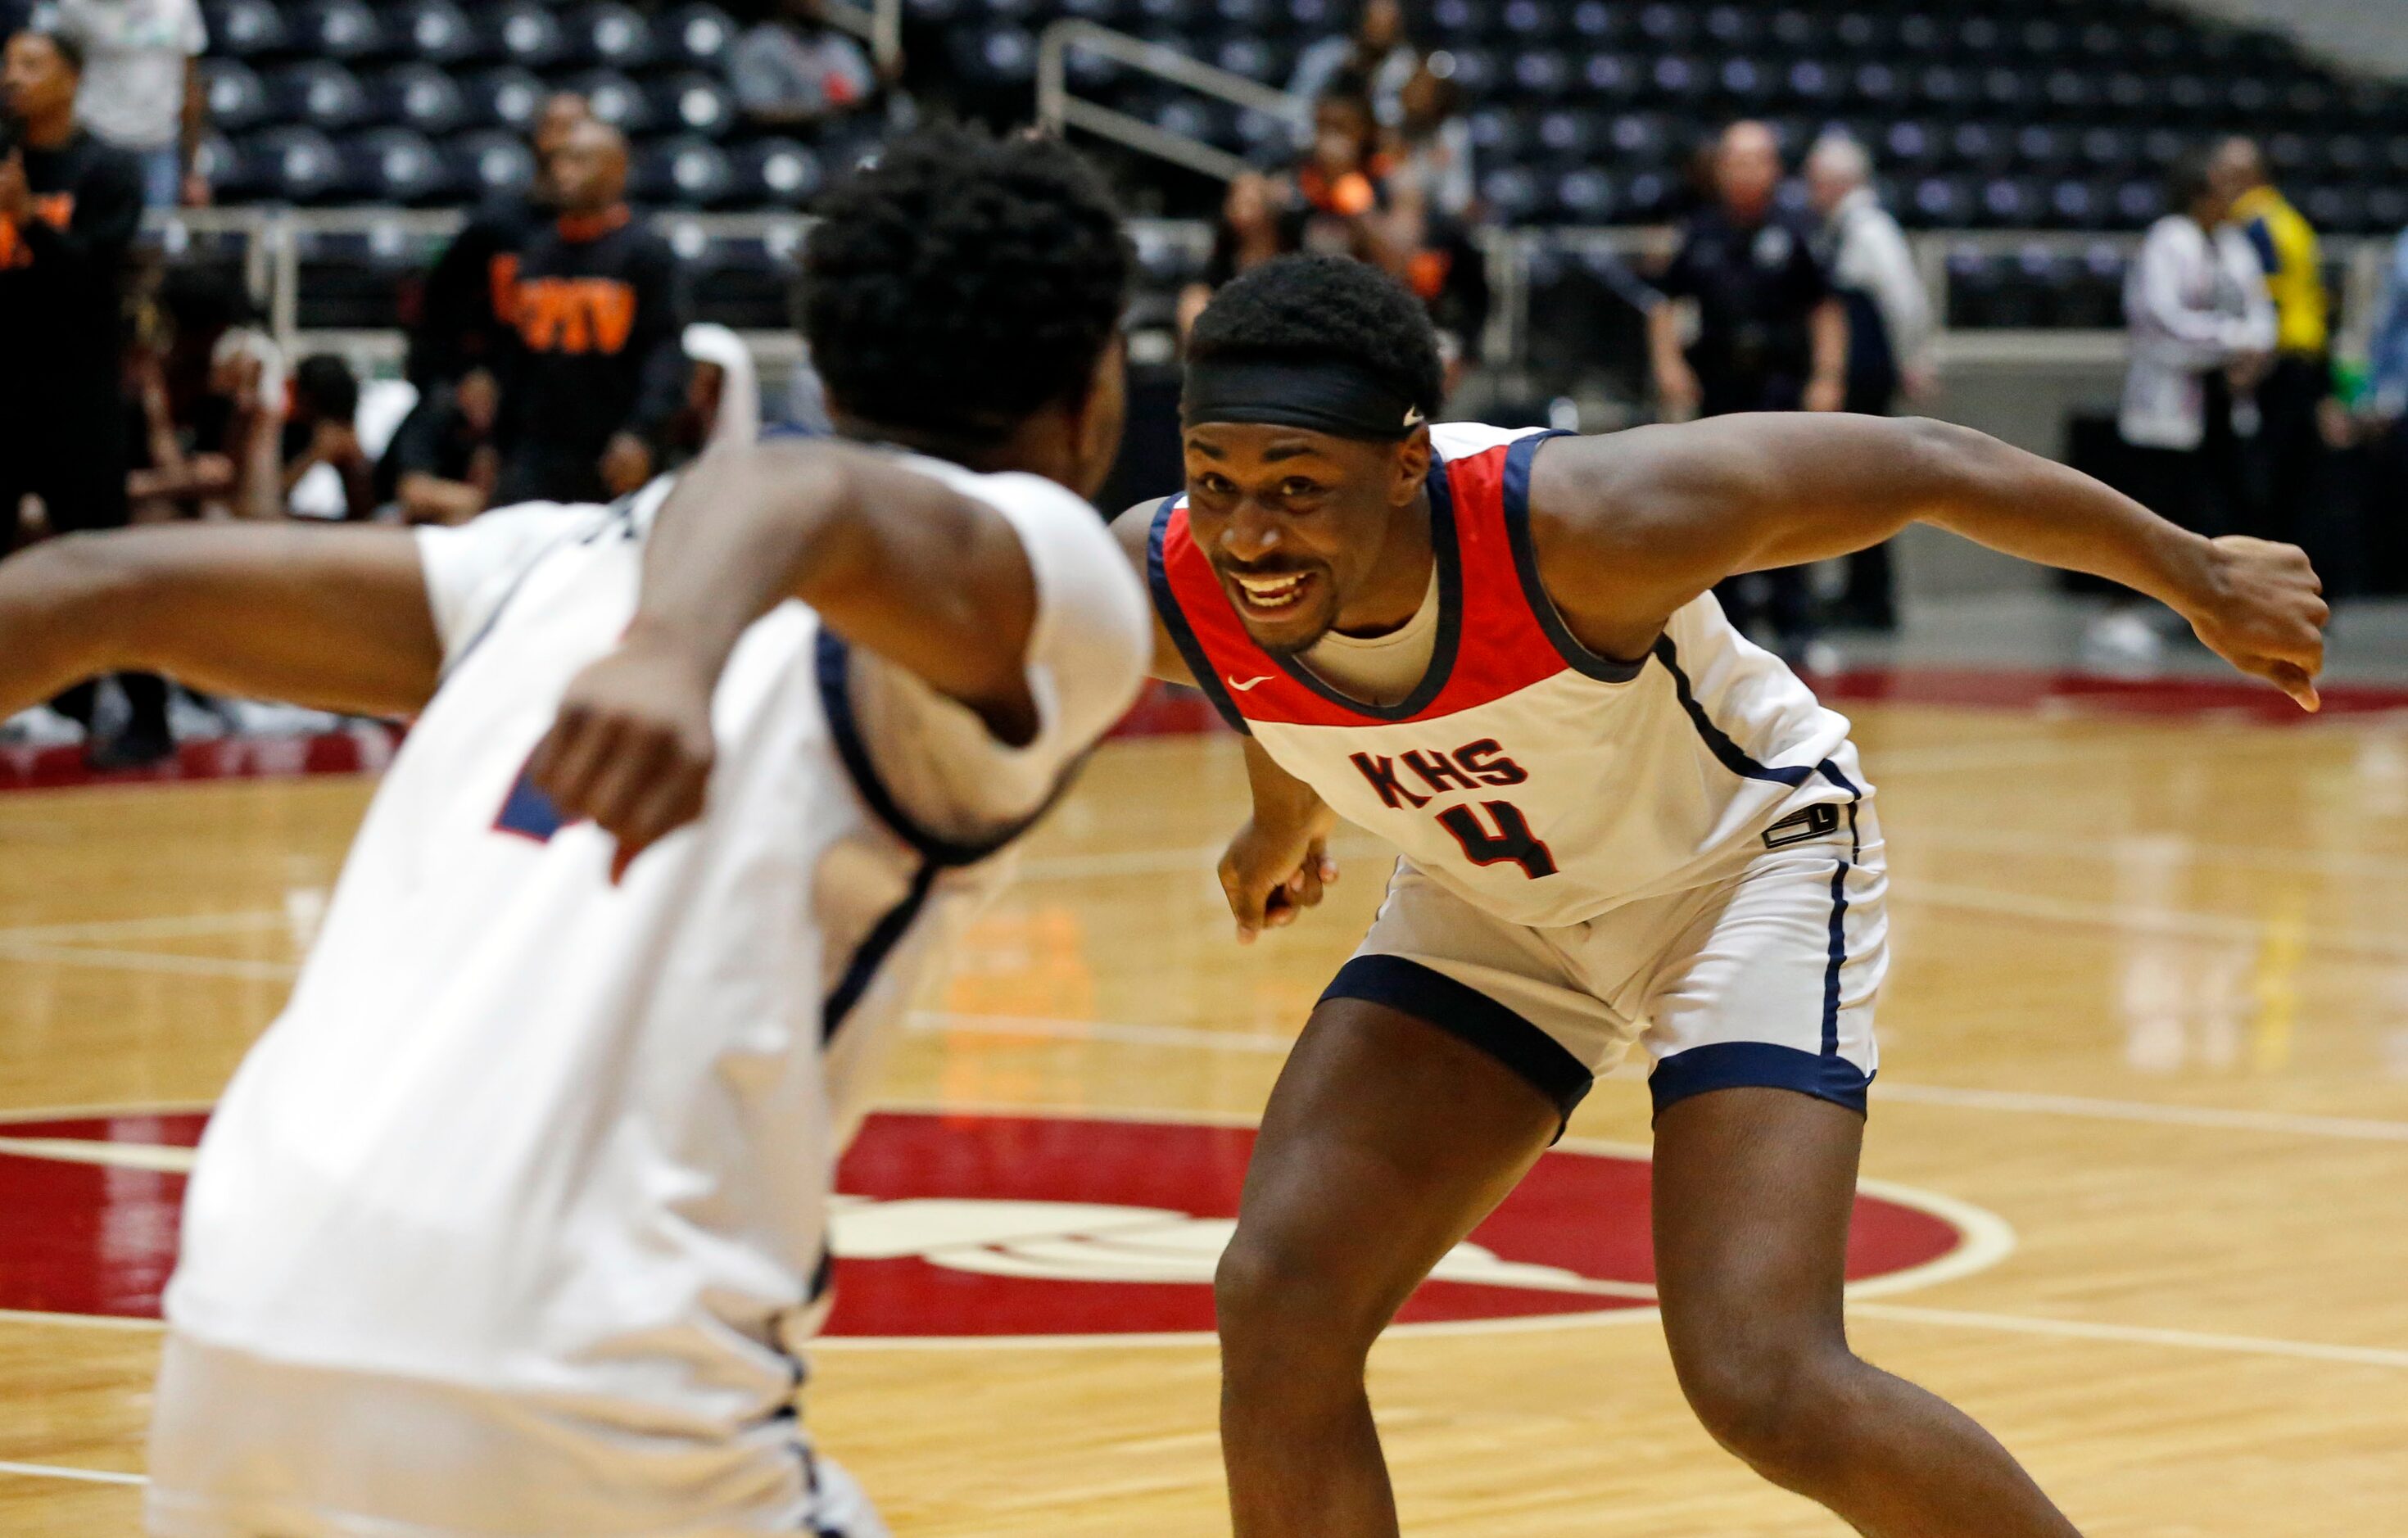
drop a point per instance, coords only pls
(1134, 531)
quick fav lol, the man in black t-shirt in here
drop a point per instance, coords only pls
(599, 366)
(463, 320)
(1773, 335)
(70, 207)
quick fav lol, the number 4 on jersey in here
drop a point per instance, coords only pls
(1512, 843)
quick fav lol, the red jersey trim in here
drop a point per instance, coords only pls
(1490, 645)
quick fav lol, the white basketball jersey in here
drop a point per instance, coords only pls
(1541, 781)
(556, 1152)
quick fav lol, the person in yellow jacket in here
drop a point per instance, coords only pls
(2288, 482)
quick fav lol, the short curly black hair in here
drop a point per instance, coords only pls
(963, 282)
(1316, 309)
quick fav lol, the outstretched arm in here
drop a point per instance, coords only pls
(1631, 526)
(334, 618)
(891, 558)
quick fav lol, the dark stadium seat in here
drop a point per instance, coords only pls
(693, 103)
(616, 99)
(234, 175)
(694, 36)
(1612, 78)
(396, 165)
(685, 171)
(742, 284)
(295, 165)
(247, 29)
(1586, 196)
(523, 32)
(506, 98)
(1513, 193)
(419, 96)
(610, 36)
(777, 173)
(992, 56)
(434, 32)
(490, 163)
(354, 280)
(237, 98)
(318, 94)
(1543, 73)
(339, 29)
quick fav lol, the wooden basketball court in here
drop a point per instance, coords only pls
(2145, 1075)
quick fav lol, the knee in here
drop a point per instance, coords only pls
(1784, 1408)
(1289, 1309)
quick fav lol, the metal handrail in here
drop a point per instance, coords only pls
(1057, 109)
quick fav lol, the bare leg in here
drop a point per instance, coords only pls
(1387, 1141)
(1753, 1193)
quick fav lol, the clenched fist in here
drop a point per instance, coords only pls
(632, 748)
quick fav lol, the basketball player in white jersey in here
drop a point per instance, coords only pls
(1620, 824)
(514, 1222)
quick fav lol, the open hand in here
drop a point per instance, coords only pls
(1272, 874)
(632, 748)
(2264, 613)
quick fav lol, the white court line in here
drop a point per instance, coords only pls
(2179, 924)
(89, 1476)
(1203, 1039)
(2222, 1118)
(150, 961)
(2120, 848)
(2079, 1330)
(173, 926)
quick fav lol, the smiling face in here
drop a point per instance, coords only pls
(1309, 532)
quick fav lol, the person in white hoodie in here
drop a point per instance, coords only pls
(2202, 331)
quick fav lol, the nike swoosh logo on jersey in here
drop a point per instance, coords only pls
(1250, 686)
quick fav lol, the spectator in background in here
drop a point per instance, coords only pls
(598, 369)
(444, 463)
(1432, 186)
(2202, 332)
(792, 68)
(1771, 336)
(1889, 329)
(69, 209)
(1339, 195)
(464, 323)
(2387, 400)
(1379, 55)
(208, 386)
(1432, 148)
(142, 88)
(1252, 229)
(723, 395)
(2288, 489)
(326, 473)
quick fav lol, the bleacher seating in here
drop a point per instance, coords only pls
(2023, 114)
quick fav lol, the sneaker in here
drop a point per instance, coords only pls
(841, 1507)
(129, 750)
(2122, 642)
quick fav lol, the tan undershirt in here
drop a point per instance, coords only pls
(1379, 670)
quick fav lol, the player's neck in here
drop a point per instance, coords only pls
(1402, 582)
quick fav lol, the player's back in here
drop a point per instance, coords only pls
(534, 1154)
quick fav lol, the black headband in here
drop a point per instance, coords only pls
(1340, 399)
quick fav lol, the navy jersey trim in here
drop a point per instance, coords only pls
(1757, 1065)
(1596, 665)
(1182, 635)
(1734, 757)
(1471, 1017)
(834, 670)
(1446, 546)
(874, 951)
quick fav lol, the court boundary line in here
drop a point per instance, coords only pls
(56, 1470)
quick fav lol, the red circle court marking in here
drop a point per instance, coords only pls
(988, 1228)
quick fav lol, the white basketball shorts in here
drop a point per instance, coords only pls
(1765, 978)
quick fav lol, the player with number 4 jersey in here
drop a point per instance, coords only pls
(1620, 822)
